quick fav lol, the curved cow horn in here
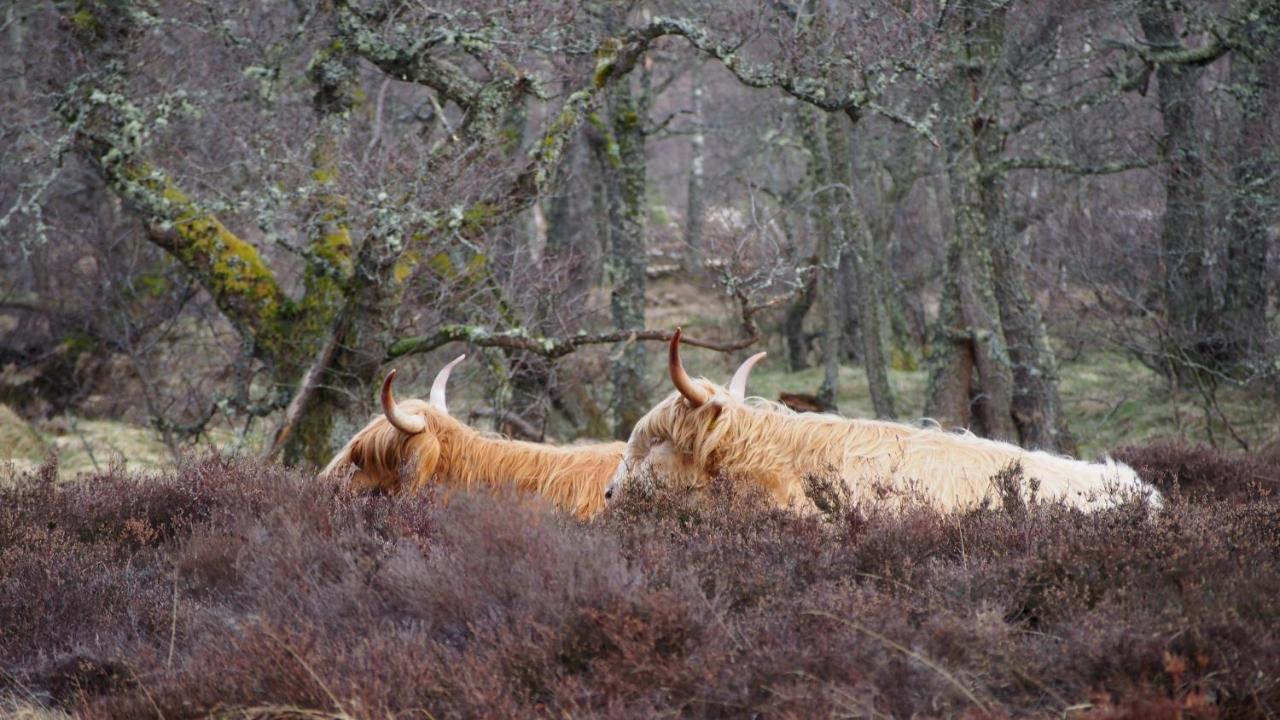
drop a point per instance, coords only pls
(438, 385)
(738, 385)
(408, 424)
(692, 392)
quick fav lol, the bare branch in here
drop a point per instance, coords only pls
(1065, 166)
(810, 90)
(1179, 54)
(545, 346)
(413, 64)
(520, 428)
(306, 389)
(559, 347)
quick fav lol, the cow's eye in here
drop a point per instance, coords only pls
(656, 441)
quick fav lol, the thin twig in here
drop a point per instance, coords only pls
(314, 676)
(75, 428)
(377, 122)
(143, 686)
(173, 619)
(922, 659)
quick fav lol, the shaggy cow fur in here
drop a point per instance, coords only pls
(689, 440)
(387, 458)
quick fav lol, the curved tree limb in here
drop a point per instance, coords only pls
(1064, 165)
(811, 90)
(551, 347)
(413, 64)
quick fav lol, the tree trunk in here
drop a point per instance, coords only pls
(969, 139)
(830, 245)
(1038, 414)
(310, 441)
(898, 166)
(1036, 405)
(627, 229)
(573, 249)
(694, 211)
(1188, 300)
(850, 318)
(989, 320)
(978, 300)
(950, 356)
(865, 305)
(365, 329)
(1254, 193)
(793, 324)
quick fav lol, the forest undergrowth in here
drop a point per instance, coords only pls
(230, 589)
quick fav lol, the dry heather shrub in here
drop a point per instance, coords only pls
(229, 589)
(1198, 472)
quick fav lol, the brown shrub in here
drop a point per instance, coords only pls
(1199, 472)
(230, 589)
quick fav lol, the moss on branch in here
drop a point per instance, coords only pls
(231, 269)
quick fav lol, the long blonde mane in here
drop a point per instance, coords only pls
(455, 455)
(779, 449)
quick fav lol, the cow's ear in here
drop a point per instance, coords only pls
(422, 459)
(716, 405)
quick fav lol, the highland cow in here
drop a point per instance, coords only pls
(414, 443)
(702, 430)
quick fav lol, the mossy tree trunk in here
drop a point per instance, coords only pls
(970, 139)
(993, 368)
(992, 397)
(628, 206)
(332, 73)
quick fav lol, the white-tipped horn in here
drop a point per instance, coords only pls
(738, 385)
(438, 385)
(408, 424)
